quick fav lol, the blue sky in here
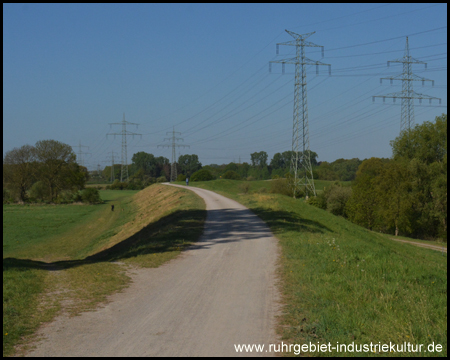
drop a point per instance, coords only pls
(71, 70)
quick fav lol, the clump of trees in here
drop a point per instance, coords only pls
(45, 172)
(340, 169)
(406, 195)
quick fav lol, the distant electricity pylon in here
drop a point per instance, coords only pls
(300, 136)
(407, 94)
(112, 165)
(80, 153)
(173, 168)
(124, 133)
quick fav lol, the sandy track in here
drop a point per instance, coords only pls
(220, 292)
(428, 246)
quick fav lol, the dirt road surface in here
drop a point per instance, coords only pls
(220, 292)
(428, 246)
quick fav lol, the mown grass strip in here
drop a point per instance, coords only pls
(343, 283)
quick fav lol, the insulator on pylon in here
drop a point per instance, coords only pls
(329, 70)
(323, 52)
(392, 82)
(425, 65)
(388, 63)
(420, 100)
(278, 49)
(384, 99)
(381, 81)
(317, 69)
(270, 67)
(423, 82)
(373, 98)
(282, 68)
(394, 99)
(432, 82)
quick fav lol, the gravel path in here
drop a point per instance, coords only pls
(428, 246)
(220, 292)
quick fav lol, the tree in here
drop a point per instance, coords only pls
(56, 167)
(283, 160)
(18, 170)
(363, 204)
(427, 142)
(259, 159)
(145, 162)
(312, 157)
(325, 172)
(346, 169)
(189, 164)
(231, 167)
(243, 169)
(424, 149)
(394, 192)
(152, 166)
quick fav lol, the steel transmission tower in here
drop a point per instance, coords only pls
(300, 133)
(124, 133)
(407, 94)
(81, 153)
(174, 145)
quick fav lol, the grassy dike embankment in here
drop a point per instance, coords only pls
(71, 257)
(342, 283)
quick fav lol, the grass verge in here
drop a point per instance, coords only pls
(342, 283)
(73, 266)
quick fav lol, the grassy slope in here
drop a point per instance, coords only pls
(82, 241)
(343, 283)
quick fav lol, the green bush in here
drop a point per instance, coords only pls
(77, 197)
(91, 196)
(202, 175)
(65, 197)
(161, 179)
(336, 197)
(117, 185)
(38, 191)
(318, 201)
(231, 175)
(181, 177)
(284, 187)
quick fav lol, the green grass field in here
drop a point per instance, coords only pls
(55, 254)
(343, 283)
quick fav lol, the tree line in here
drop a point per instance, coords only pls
(147, 168)
(403, 195)
(46, 171)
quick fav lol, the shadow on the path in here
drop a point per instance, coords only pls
(184, 227)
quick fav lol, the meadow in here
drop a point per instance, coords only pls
(342, 283)
(69, 258)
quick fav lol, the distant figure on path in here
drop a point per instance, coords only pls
(187, 181)
(112, 207)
